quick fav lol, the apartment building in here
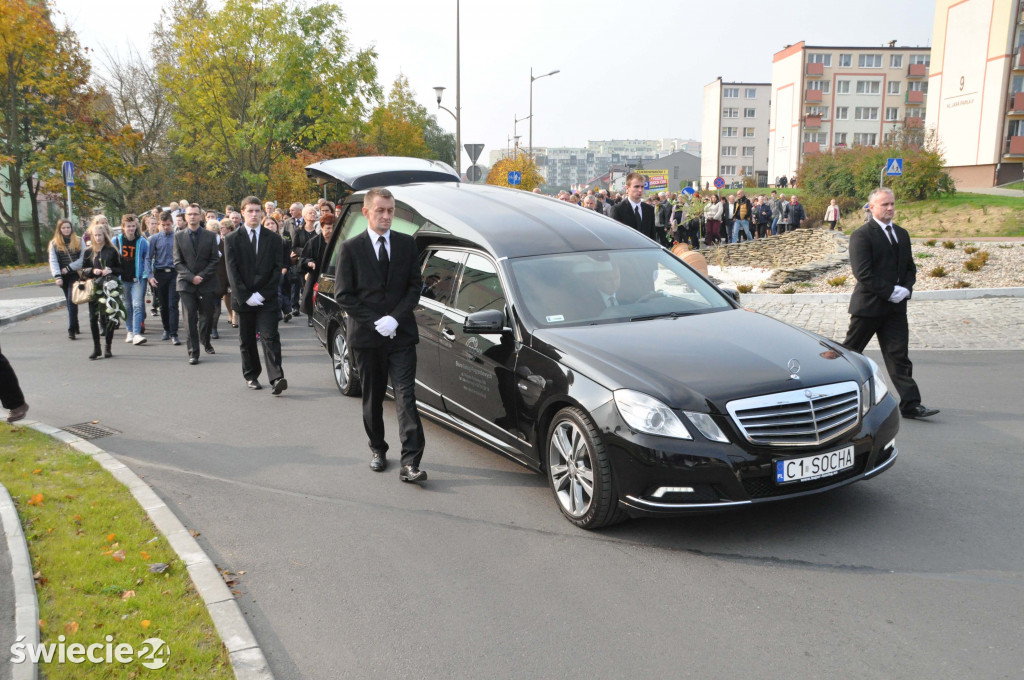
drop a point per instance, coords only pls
(734, 132)
(834, 97)
(977, 84)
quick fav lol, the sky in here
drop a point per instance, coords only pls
(626, 71)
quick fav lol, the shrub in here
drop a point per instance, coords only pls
(976, 262)
(744, 288)
(924, 255)
(938, 272)
(959, 283)
(788, 290)
(8, 252)
(970, 250)
(837, 281)
(1005, 245)
(949, 245)
(930, 243)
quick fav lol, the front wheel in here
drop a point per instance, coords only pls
(344, 375)
(579, 471)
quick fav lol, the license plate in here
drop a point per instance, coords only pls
(813, 467)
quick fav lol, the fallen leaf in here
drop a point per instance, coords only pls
(235, 592)
(37, 499)
(78, 518)
(144, 623)
(71, 628)
(195, 534)
(37, 471)
(143, 554)
(50, 530)
(166, 592)
(158, 567)
(95, 422)
(240, 573)
(107, 552)
(110, 537)
(128, 594)
(118, 556)
(42, 623)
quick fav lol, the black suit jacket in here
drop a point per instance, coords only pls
(250, 272)
(878, 269)
(363, 293)
(623, 212)
(199, 261)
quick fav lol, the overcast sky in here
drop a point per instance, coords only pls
(627, 71)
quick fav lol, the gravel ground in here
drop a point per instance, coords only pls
(1004, 269)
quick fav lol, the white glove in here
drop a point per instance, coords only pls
(899, 294)
(255, 300)
(386, 326)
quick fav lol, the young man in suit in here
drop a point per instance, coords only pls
(633, 212)
(195, 257)
(378, 286)
(254, 262)
(884, 267)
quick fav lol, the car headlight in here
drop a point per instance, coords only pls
(646, 414)
(706, 425)
(878, 386)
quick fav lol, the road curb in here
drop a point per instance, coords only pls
(26, 607)
(247, 659)
(931, 295)
(29, 313)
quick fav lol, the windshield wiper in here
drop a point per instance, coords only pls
(670, 315)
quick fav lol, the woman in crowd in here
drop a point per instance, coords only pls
(65, 259)
(133, 249)
(832, 214)
(312, 256)
(223, 228)
(286, 248)
(713, 220)
(100, 259)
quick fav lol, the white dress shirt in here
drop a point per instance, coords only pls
(375, 239)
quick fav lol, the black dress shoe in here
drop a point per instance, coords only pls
(920, 411)
(71, 335)
(209, 349)
(378, 462)
(253, 384)
(279, 385)
(107, 353)
(411, 473)
(192, 361)
(287, 318)
(95, 354)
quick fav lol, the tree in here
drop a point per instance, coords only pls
(522, 163)
(402, 127)
(260, 80)
(288, 180)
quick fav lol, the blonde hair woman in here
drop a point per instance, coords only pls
(65, 251)
(100, 259)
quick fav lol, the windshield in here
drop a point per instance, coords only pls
(603, 286)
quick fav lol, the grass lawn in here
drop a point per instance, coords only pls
(92, 547)
(963, 215)
(1019, 186)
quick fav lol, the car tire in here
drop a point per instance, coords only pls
(345, 376)
(579, 471)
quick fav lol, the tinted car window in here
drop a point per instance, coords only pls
(440, 272)
(609, 287)
(404, 222)
(480, 287)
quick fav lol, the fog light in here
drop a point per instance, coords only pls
(662, 490)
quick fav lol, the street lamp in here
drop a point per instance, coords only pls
(533, 78)
(515, 129)
(439, 90)
(458, 97)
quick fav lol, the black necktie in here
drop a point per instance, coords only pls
(382, 256)
(639, 220)
(252, 239)
(892, 239)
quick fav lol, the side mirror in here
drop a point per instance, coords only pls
(485, 321)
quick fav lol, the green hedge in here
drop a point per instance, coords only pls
(853, 174)
(8, 252)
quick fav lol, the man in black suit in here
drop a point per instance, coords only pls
(195, 258)
(255, 258)
(633, 212)
(378, 286)
(884, 267)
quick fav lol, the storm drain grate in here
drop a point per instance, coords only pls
(90, 430)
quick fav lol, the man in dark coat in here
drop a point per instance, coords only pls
(195, 258)
(633, 212)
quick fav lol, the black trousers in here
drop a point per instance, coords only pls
(65, 285)
(375, 364)
(893, 338)
(94, 327)
(199, 317)
(11, 396)
(251, 320)
(168, 297)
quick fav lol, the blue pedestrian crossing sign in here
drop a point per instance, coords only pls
(67, 169)
(894, 166)
(515, 177)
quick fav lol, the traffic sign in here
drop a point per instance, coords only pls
(688, 191)
(719, 182)
(474, 151)
(647, 185)
(473, 173)
(894, 166)
(68, 170)
(515, 177)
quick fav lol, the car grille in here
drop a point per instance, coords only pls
(765, 486)
(804, 417)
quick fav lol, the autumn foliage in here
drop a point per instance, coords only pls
(522, 163)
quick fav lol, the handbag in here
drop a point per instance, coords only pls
(81, 292)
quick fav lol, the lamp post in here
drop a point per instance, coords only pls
(533, 78)
(515, 133)
(458, 97)
(439, 90)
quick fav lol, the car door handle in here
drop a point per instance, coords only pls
(448, 333)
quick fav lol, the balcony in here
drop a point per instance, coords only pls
(812, 120)
(1015, 146)
(815, 147)
(913, 122)
(915, 97)
(1018, 63)
(917, 71)
(815, 69)
(812, 96)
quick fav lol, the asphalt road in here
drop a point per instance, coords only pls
(916, 574)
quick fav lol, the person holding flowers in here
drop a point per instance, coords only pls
(102, 263)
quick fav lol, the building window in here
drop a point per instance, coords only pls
(865, 138)
(840, 138)
(750, 92)
(869, 87)
(748, 170)
(1017, 84)
(748, 132)
(824, 85)
(730, 113)
(750, 113)
(729, 131)
(915, 112)
(748, 151)
(819, 137)
(842, 112)
(893, 87)
(825, 59)
(916, 86)
(845, 60)
(728, 150)
(869, 61)
(818, 111)
(925, 59)
(892, 113)
(842, 87)
(727, 170)
(865, 113)
(731, 92)
(895, 61)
